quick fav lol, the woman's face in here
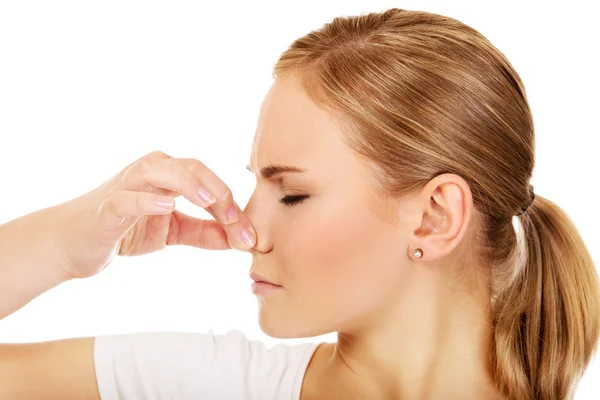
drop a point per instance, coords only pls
(339, 253)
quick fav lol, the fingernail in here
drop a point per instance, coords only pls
(248, 237)
(206, 196)
(165, 202)
(232, 214)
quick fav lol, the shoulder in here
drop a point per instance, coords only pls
(175, 364)
(275, 372)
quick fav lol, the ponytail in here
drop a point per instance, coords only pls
(547, 320)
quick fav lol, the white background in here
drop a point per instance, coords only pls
(88, 87)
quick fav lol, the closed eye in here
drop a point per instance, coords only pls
(290, 201)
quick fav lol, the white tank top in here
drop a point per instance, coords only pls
(182, 366)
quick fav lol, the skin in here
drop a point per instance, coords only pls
(407, 328)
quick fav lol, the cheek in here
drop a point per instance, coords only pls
(344, 262)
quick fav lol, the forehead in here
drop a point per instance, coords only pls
(293, 130)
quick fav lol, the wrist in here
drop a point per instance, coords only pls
(30, 260)
(56, 227)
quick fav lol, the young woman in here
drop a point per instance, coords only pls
(405, 145)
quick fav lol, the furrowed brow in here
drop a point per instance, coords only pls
(271, 171)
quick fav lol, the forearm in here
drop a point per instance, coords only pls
(30, 259)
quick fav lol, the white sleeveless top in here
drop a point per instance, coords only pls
(185, 366)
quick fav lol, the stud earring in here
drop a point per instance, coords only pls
(418, 253)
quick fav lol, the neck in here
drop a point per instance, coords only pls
(435, 342)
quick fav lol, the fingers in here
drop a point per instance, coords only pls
(123, 204)
(196, 182)
(190, 231)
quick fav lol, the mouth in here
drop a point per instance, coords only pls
(267, 283)
(259, 279)
(261, 288)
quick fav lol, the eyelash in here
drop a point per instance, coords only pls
(290, 201)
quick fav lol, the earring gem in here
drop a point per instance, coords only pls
(418, 253)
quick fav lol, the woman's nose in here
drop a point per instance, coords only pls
(258, 217)
(248, 210)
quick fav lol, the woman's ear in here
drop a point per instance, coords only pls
(443, 217)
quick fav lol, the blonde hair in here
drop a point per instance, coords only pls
(421, 94)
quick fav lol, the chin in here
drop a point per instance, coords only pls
(287, 328)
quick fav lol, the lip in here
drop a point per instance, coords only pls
(260, 278)
(263, 289)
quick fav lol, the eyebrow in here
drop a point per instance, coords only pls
(271, 171)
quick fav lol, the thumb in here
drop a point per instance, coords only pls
(189, 231)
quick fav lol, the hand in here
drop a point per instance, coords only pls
(133, 213)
